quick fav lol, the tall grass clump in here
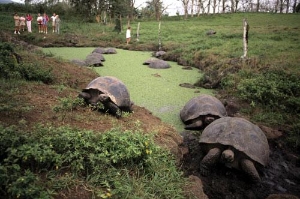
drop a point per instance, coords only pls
(11, 67)
(48, 160)
(272, 88)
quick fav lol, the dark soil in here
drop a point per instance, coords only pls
(281, 176)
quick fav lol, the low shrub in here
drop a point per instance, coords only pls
(11, 67)
(274, 88)
(36, 164)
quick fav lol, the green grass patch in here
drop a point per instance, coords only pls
(41, 163)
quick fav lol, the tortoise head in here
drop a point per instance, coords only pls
(209, 119)
(91, 96)
(103, 98)
(227, 156)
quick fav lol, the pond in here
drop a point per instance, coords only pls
(157, 90)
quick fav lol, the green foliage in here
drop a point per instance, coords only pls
(112, 163)
(8, 62)
(293, 138)
(273, 88)
(67, 105)
(34, 72)
(12, 68)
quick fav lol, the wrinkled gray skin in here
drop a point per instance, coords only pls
(110, 92)
(235, 142)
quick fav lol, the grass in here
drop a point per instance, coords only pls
(161, 95)
(112, 164)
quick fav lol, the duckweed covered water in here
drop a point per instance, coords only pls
(157, 90)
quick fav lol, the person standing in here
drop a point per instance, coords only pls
(28, 22)
(39, 20)
(53, 22)
(57, 23)
(128, 35)
(17, 23)
(45, 23)
(22, 22)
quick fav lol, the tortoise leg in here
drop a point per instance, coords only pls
(249, 168)
(209, 160)
(113, 109)
(194, 126)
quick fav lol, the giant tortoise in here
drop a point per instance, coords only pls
(200, 111)
(237, 143)
(93, 59)
(109, 91)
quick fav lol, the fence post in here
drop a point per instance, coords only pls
(159, 39)
(245, 37)
(138, 32)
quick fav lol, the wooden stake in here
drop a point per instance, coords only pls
(138, 32)
(245, 37)
(159, 39)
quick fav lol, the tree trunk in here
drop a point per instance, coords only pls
(208, 6)
(257, 6)
(185, 7)
(287, 6)
(192, 9)
(214, 6)
(294, 6)
(281, 6)
(223, 6)
(232, 6)
(199, 7)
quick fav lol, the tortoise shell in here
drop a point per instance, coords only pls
(240, 134)
(202, 105)
(94, 59)
(113, 87)
(159, 64)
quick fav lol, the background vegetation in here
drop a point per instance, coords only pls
(267, 81)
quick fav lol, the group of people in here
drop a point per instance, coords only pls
(42, 21)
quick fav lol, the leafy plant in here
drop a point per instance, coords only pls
(110, 164)
(67, 105)
(274, 88)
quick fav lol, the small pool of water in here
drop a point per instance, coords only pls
(157, 90)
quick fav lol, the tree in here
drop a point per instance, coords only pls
(155, 8)
(192, 8)
(298, 8)
(214, 6)
(224, 5)
(185, 7)
(234, 5)
(257, 6)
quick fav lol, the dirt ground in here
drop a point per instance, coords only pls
(280, 179)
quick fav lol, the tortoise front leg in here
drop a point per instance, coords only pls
(249, 168)
(194, 125)
(209, 160)
(113, 109)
